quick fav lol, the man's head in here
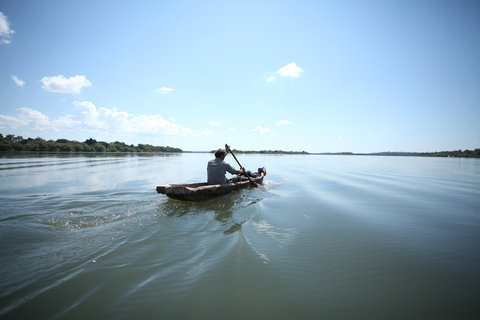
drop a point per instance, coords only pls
(221, 154)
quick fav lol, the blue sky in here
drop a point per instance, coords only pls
(319, 76)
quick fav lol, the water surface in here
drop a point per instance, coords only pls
(87, 236)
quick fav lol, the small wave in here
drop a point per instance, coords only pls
(40, 195)
(268, 185)
(79, 219)
(16, 216)
(78, 212)
(56, 163)
(83, 222)
(279, 234)
(261, 255)
(20, 301)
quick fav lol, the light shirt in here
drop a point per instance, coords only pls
(216, 170)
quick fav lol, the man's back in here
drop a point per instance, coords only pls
(216, 170)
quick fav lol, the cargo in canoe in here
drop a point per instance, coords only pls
(203, 191)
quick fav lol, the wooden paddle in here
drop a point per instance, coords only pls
(251, 181)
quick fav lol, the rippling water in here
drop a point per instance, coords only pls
(324, 237)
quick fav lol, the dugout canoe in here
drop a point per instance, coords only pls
(203, 191)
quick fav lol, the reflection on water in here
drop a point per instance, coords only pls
(222, 207)
(87, 236)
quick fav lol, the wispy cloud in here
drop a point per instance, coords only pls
(283, 122)
(60, 84)
(6, 33)
(163, 90)
(261, 130)
(95, 119)
(120, 121)
(213, 123)
(18, 81)
(35, 120)
(91, 116)
(290, 70)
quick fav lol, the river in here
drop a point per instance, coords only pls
(324, 237)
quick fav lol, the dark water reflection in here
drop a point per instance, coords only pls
(222, 208)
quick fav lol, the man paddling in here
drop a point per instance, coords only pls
(217, 168)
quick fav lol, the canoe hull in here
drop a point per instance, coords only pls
(203, 191)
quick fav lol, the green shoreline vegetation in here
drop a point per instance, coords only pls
(267, 152)
(18, 143)
(458, 153)
(446, 154)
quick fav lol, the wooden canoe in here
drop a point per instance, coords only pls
(203, 191)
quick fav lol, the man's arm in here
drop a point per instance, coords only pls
(234, 171)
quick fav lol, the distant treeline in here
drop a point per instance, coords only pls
(459, 153)
(268, 152)
(18, 143)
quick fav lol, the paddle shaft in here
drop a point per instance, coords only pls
(230, 150)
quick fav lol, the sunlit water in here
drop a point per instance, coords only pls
(325, 237)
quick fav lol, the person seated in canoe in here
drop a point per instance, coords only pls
(217, 168)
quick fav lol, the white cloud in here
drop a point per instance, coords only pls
(91, 117)
(231, 129)
(290, 70)
(98, 120)
(271, 79)
(18, 81)
(261, 130)
(27, 118)
(6, 33)
(65, 122)
(163, 90)
(213, 123)
(8, 122)
(72, 85)
(283, 122)
(113, 120)
(36, 120)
